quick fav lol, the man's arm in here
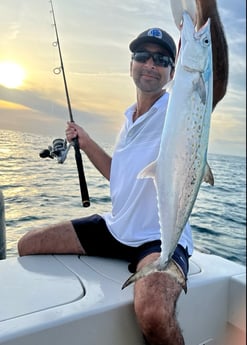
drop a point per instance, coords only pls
(100, 159)
(208, 9)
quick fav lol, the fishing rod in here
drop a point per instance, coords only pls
(75, 141)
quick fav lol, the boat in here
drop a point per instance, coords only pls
(78, 300)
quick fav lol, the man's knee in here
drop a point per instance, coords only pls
(149, 315)
(155, 303)
(24, 244)
(54, 239)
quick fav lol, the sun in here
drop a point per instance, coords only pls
(12, 74)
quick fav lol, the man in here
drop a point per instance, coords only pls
(131, 231)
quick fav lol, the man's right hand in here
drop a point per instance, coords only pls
(73, 130)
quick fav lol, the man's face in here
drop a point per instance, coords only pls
(148, 76)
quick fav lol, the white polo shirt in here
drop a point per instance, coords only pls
(134, 218)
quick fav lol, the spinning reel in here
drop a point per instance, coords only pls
(59, 150)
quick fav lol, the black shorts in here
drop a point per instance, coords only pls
(97, 240)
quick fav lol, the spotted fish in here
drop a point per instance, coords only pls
(181, 165)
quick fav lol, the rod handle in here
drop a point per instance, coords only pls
(81, 175)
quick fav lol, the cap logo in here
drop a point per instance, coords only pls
(155, 33)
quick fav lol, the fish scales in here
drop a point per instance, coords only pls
(181, 164)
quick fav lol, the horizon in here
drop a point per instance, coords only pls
(96, 60)
(107, 144)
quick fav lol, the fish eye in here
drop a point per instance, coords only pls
(205, 40)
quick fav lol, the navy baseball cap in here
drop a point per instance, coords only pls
(157, 36)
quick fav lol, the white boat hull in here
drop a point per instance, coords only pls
(67, 300)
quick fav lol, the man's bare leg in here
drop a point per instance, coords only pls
(155, 298)
(55, 239)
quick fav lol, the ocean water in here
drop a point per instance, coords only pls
(38, 192)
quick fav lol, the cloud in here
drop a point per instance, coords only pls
(32, 112)
(94, 39)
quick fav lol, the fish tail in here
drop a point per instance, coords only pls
(143, 272)
(176, 272)
(170, 268)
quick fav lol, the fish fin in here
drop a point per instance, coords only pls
(170, 268)
(208, 175)
(148, 171)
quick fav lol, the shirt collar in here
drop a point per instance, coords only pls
(161, 102)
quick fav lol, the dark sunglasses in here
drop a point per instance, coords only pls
(158, 58)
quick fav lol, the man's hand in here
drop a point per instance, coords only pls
(73, 130)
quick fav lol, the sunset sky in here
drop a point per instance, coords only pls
(94, 37)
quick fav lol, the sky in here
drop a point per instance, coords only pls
(94, 38)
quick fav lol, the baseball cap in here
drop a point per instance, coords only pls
(158, 36)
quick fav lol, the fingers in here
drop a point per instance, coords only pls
(71, 131)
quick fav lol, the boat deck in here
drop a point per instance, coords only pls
(63, 299)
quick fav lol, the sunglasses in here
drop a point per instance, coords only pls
(158, 58)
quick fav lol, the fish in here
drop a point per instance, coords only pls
(200, 11)
(204, 10)
(181, 165)
(179, 6)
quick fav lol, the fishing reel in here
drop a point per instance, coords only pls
(59, 150)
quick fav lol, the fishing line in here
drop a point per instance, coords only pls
(75, 142)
